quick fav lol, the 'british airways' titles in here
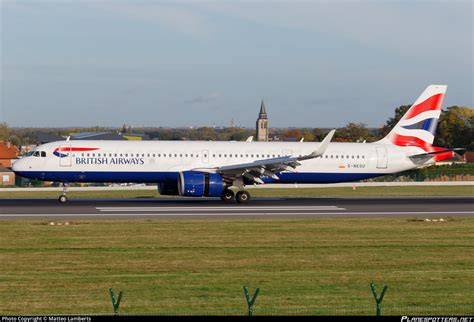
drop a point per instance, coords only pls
(107, 161)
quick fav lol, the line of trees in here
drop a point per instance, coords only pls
(4, 132)
(455, 129)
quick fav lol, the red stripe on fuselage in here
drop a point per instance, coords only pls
(431, 104)
(72, 149)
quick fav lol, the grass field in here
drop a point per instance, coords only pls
(267, 192)
(203, 264)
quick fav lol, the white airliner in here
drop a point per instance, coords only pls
(210, 169)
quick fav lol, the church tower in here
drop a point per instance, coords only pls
(262, 124)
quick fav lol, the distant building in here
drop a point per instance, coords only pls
(7, 177)
(8, 153)
(135, 136)
(43, 138)
(262, 124)
(468, 156)
(110, 136)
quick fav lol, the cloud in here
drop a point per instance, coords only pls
(178, 18)
(407, 28)
(205, 98)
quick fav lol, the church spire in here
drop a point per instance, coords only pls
(263, 112)
(262, 124)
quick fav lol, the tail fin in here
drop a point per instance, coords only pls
(418, 126)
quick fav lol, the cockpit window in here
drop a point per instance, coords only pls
(36, 154)
(29, 154)
(43, 154)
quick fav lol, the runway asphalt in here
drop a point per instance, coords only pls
(419, 207)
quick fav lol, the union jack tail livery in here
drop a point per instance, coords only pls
(418, 126)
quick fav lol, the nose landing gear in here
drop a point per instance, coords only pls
(63, 197)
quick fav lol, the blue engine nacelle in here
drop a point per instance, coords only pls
(168, 188)
(200, 184)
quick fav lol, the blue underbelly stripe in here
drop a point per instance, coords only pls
(155, 177)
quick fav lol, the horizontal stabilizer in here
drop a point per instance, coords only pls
(430, 154)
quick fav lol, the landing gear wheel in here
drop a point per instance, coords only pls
(62, 199)
(227, 195)
(242, 196)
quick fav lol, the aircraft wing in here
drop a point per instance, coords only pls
(260, 168)
(254, 171)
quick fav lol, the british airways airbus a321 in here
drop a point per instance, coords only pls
(211, 169)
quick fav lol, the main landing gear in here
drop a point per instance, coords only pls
(241, 197)
(63, 197)
(227, 195)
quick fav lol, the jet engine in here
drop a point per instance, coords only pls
(200, 184)
(168, 188)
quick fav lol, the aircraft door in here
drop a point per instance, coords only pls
(65, 155)
(205, 156)
(382, 158)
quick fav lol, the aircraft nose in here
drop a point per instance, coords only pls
(16, 166)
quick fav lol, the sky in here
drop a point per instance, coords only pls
(202, 63)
